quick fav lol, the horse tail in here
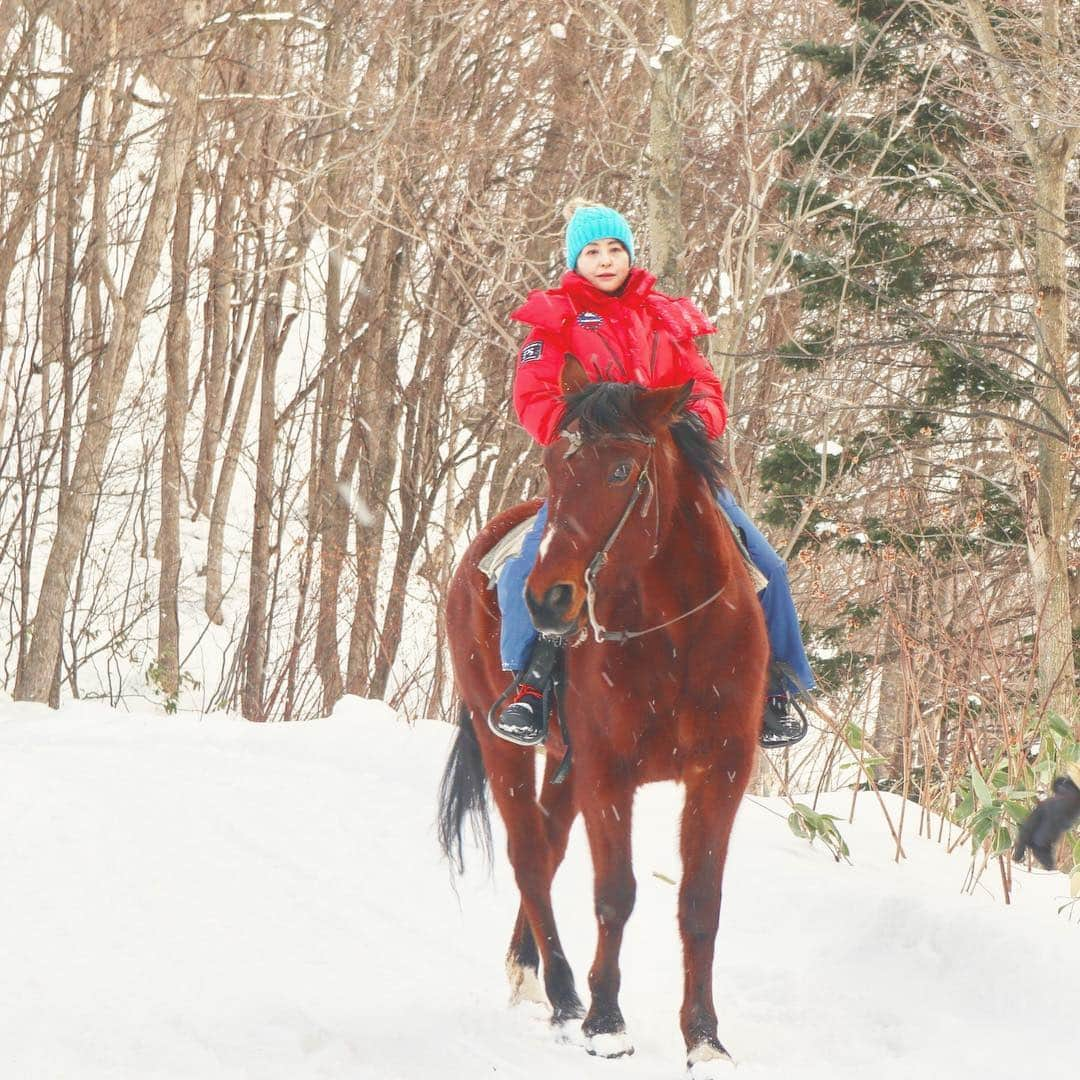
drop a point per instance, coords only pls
(463, 793)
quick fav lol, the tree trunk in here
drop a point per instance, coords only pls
(667, 118)
(215, 544)
(379, 393)
(330, 503)
(56, 309)
(255, 644)
(177, 346)
(1050, 527)
(219, 303)
(422, 465)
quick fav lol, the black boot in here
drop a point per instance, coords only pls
(524, 720)
(780, 727)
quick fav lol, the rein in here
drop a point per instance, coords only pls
(644, 483)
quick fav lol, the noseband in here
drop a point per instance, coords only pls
(644, 483)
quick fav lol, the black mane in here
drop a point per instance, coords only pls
(610, 408)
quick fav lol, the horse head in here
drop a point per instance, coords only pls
(609, 470)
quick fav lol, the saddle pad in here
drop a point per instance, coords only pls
(509, 547)
(756, 576)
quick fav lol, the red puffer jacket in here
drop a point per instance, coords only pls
(639, 336)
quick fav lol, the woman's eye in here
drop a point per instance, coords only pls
(620, 474)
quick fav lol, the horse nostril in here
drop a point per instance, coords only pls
(558, 598)
(551, 613)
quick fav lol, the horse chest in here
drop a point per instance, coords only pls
(640, 688)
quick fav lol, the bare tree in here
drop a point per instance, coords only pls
(106, 383)
(177, 344)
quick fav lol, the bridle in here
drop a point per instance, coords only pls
(645, 483)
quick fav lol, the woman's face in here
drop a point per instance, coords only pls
(605, 264)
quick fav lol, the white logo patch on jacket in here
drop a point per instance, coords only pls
(532, 352)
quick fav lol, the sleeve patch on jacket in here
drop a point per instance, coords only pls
(532, 351)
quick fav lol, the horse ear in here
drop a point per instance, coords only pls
(573, 377)
(661, 407)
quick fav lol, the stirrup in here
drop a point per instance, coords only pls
(794, 729)
(539, 673)
(530, 733)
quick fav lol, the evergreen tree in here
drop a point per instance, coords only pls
(893, 236)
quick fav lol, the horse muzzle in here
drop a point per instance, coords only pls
(559, 610)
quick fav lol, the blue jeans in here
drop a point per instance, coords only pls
(517, 632)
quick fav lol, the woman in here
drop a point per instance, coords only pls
(608, 314)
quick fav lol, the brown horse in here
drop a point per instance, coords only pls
(665, 680)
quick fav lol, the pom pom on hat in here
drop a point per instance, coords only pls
(587, 221)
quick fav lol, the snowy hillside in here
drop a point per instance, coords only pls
(206, 898)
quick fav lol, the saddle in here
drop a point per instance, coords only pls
(502, 551)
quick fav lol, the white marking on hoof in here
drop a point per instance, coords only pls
(706, 1062)
(616, 1044)
(524, 985)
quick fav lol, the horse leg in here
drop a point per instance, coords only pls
(607, 821)
(523, 963)
(523, 957)
(708, 815)
(534, 867)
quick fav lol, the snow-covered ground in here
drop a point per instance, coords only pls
(199, 897)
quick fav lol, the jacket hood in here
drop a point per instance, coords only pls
(552, 309)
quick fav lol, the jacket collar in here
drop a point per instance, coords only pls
(638, 287)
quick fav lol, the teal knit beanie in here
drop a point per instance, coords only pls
(587, 222)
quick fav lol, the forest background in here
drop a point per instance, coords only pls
(256, 263)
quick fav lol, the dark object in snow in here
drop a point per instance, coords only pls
(1048, 823)
(675, 690)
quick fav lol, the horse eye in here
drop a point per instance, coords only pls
(620, 474)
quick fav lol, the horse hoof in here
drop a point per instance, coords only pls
(568, 1034)
(566, 1021)
(709, 1062)
(525, 985)
(615, 1044)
